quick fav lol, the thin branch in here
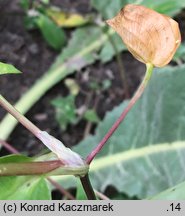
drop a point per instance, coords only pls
(101, 195)
(131, 103)
(61, 189)
(89, 124)
(9, 147)
(16, 114)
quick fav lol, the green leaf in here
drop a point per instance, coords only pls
(109, 8)
(14, 158)
(168, 7)
(22, 187)
(81, 49)
(33, 189)
(8, 69)
(174, 193)
(136, 159)
(54, 36)
(91, 116)
(65, 110)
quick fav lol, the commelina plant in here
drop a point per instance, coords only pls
(153, 39)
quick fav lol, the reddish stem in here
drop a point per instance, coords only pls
(9, 147)
(134, 99)
(61, 189)
(21, 118)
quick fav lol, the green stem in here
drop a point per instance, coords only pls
(88, 187)
(149, 69)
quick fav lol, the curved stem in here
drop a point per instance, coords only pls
(149, 69)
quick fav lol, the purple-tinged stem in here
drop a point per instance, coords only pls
(9, 147)
(21, 118)
(61, 189)
(149, 69)
(101, 195)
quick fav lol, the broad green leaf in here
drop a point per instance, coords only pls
(33, 189)
(53, 35)
(168, 7)
(81, 49)
(22, 187)
(174, 193)
(109, 8)
(65, 110)
(8, 69)
(135, 160)
(14, 158)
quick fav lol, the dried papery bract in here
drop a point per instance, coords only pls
(150, 36)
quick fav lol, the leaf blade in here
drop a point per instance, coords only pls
(8, 69)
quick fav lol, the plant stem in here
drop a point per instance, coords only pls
(101, 195)
(88, 187)
(9, 147)
(61, 189)
(22, 119)
(149, 69)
